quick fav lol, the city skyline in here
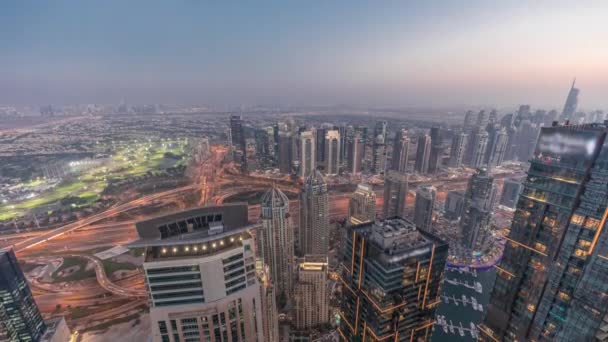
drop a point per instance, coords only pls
(295, 54)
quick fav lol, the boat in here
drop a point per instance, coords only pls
(461, 330)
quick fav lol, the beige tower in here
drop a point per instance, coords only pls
(311, 295)
(362, 205)
(314, 216)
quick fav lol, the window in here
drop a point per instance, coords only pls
(591, 223)
(577, 219)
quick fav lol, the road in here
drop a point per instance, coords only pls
(106, 283)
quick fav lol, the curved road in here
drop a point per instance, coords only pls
(106, 283)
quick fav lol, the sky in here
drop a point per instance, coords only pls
(369, 53)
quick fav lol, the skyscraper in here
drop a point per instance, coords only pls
(457, 152)
(311, 294)
(355, 152)
(314, 216)
(454, 204)
(469, 120)
(307, 153)
(239, 144)
(200, 274)
(423, 208)
(332, 152)
(20, 319)
(379, 148)
(395, 194)
(362, 205)
(553, 276)
(510, 193)
(320, 148)
(571, 103)
(401, 151)
(477, 209)
(478, 149)
(276, 240)
(497, 146)
(268, 297)
(436, 150)
(423, 153)
(287, 150)
(391, 274)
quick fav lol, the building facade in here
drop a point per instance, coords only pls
(332, 152)
(307, 153)
(311, 294)
(395, 194)
(457, 152)
(424, 206)
(423, 153)
(477, 209)
(391, 274)
(314, 216)
(362, 205)
(401, 151)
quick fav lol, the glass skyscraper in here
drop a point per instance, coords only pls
(20, 319)
(552, 282)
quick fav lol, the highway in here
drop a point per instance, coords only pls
(106, 283)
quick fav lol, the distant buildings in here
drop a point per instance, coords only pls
(401, 151)
(477, 209)
(314, 216)
(287, 148)
(200, 275)
(457, 152)
(362, 205)
(391, 274)
(20, 319)
(423, 153)
(424, 206)
(395, 194)
(436, 156)
(311, 294)
(332, 152)
(379, 148)
(553, 278)
(497, 146)
(355, 151)
(571, 103)
(239, 144)
(307, 153)
(478, 147)
(276, 240)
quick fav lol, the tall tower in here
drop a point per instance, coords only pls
(307, 153)
(457, 152)
(362, 205)
(379, 148)
(270, 317)
(287, 149)
(401, 150)
(436, 150)
(477, 210)
(395, 194)
(239, 144)
(424, 205)
(571, 103)
(20, 319)
(276, 240)
(199, 267)
(497, 146)
(311, 295)
(314, 216)
(355, 152)
(423, 154)
(332, 152)
(552, 278)
(478, 150)
(397, 301)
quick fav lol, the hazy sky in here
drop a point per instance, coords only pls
(394, 53)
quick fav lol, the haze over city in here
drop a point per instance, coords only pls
(394, 53)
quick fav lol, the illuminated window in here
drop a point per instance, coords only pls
(531, 307)
(563, 296)
(577, 219)
(539, 246)
(584, 243)
(580, 253)
(591, 223)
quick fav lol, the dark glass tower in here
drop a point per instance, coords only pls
(391, 274)
(552, 283)
(20, 319)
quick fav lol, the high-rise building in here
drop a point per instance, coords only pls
(362, 205)
(493, 118)
(264, 147)
(482, 119)
(311, 294)
(469, 120)
(395, 194)
(401, 151)
(571, 103)
(435, 159)
(457, 152)
(553, 276)
(320, 148)
(307, 153)
(332, 152)
(478, 148)
(287, 150)
(423, 153)
(268, 297)
(510, 193)
(477, 209)
(239, 144)
(424, 206)
(314, 216)
(20, 319)
(355, 152)
(525, 139)
(391, 274)
(497, 146)
(379, 148)
(199, 267)
(276, 240)
(454, 204)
